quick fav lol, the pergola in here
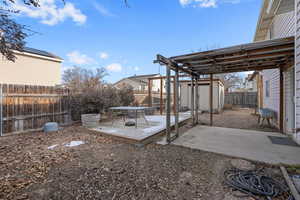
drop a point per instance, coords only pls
(269, 54)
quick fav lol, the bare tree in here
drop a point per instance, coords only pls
(80, 79)
(13, 34)
(231, 80)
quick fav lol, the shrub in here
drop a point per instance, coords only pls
(99, 100)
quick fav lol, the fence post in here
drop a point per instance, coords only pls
(1, 110)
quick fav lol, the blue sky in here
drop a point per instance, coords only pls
(104, 33)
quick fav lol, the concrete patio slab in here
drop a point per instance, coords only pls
(248, 144)
(157, 124)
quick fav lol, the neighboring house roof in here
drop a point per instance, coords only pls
(269, 9)
(138, 79)
(203, 80)
(142, 76)
(39, 53)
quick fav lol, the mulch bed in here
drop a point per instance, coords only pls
(104, 168)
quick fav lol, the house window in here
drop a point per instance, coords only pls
(267, 88)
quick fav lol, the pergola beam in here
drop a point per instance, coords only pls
(245, 56)
(257, 47)
(234, 57)
(231, 70)
(273, 58)
(173, 65)
(242, 65)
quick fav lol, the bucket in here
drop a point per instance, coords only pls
(90, 120)
(50, 127)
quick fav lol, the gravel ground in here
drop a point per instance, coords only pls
(104, 168)
(242, 118)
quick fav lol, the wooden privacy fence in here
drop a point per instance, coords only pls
(244, 99)
(27, 108)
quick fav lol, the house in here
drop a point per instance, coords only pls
(32, 67)
(278, 19)
(258, 87)
(250, 83)
(203, 91)
(139, 83)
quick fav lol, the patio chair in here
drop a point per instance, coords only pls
(265, 113)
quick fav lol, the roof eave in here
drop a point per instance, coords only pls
(56, 59)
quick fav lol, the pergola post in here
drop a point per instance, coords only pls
(150, 92)
(281, 101)
(192, 100)
(174, 95)
(176, 101)
(211, 99)
(161, 96)
(168, 104)
(197, 100)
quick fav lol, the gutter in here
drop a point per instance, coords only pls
(38, 56)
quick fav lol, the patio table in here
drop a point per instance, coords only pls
(127, 109)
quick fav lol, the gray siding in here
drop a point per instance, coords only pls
(272, 102)
(282, 26)
(289, 114)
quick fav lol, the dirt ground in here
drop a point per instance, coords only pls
(105, 168)
(243, 118)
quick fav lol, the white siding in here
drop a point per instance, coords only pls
(272, 102)
(218, 100)
(282, 26)
(288, 99)
(297, 67)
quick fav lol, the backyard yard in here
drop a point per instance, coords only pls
(76, 163)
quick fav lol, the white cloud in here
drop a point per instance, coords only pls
(136, 68)
(103, 11)
(114, 67)
(104, 55)
(49, 13)
(206, 3)
(77, 58)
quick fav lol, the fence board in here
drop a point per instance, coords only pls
(244, 99)
(27, 107)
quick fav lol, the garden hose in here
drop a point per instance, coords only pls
(254, 183)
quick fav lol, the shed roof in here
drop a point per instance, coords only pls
(267, 54)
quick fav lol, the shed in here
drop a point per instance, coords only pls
(203, 90)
